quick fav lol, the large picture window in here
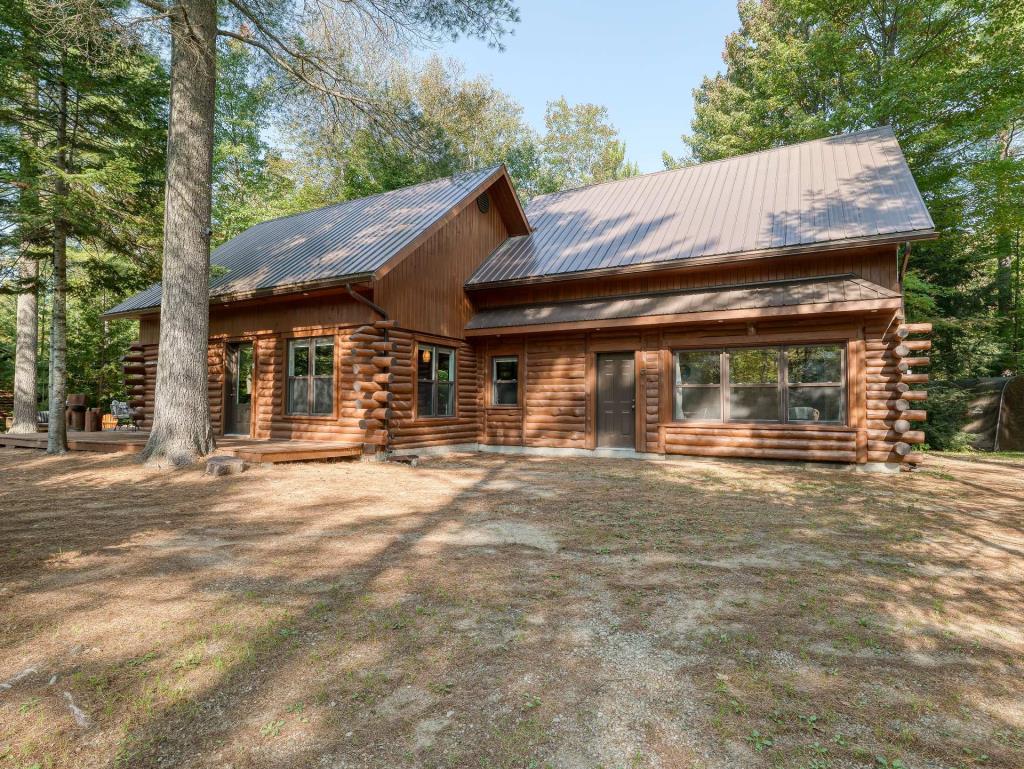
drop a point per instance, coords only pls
(435, 381)
(311, 376)
(792, 384)
(505, 381)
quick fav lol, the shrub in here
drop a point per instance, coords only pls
(947, 414)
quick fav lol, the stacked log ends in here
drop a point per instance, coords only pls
(371, 361)
(893, 368)
(133, 364)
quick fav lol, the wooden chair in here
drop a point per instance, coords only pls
(125, 416)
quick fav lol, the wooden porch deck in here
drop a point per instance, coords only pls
(249, 449)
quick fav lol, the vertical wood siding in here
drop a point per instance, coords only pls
(877, 265)
(425, 290)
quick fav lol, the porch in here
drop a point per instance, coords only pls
(248, 449)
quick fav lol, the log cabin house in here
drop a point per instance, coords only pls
(748, 307)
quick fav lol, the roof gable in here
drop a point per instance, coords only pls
(353, 239)
(842, 190)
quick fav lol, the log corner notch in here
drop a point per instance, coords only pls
(893, 395)
(372, 358)
(133, 364)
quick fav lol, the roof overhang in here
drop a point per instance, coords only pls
(744, 302)
(239, 297)
(675, 265)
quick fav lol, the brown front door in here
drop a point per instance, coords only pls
(616, 400)
(238, 403)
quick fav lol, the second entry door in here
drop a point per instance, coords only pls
(616, 400)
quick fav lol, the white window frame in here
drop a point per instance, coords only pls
(725, 386)
(495, 381)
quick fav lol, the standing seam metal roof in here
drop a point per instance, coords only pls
(822, 192)
(353, 238)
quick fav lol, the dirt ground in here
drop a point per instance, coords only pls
(482, 611)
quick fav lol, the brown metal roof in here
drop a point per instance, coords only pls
(847, 189)
(835, 291)
(350, 239)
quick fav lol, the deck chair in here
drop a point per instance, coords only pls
(124, 415)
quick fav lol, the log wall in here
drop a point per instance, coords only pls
(557, 407)
(410, 431)
(555, 400)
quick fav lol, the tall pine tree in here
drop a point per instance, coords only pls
(945, 75)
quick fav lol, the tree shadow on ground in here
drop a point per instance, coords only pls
(482, 611)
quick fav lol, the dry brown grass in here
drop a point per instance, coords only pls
(480, 611)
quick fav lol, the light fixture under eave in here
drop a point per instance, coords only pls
(425, 356)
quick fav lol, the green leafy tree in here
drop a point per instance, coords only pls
(945, 75)
(450, 124)
(580, 147)
(252, 182)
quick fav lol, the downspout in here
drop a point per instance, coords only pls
(369, 303)
(384, 316)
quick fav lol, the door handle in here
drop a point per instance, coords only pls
(632, 405)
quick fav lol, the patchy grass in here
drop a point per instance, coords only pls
(481, 611)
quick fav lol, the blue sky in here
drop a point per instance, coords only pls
(641, 60)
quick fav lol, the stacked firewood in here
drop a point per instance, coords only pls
(893, 400)
(372, 358)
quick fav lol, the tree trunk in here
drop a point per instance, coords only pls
(182, 432)
(27, 337)
(26, 355)
(57, 438)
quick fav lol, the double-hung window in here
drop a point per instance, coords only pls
(435, 381)
(505, 381)
(311, 376)
(789, 384)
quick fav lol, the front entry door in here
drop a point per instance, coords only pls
(616, 400)
(238, 407)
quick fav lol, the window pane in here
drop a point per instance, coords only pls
(298, 395)
(698, 403)
(323, 363)
(425, 399)
(815, 404)
(244, 394)
(425, 363)
(506, 393)
(323, 395)
(760, 403)
(298, 358)
(506, 369)
(700, 368)
(445, 406)
(445, 365)
(814, 364)
(754, 366)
